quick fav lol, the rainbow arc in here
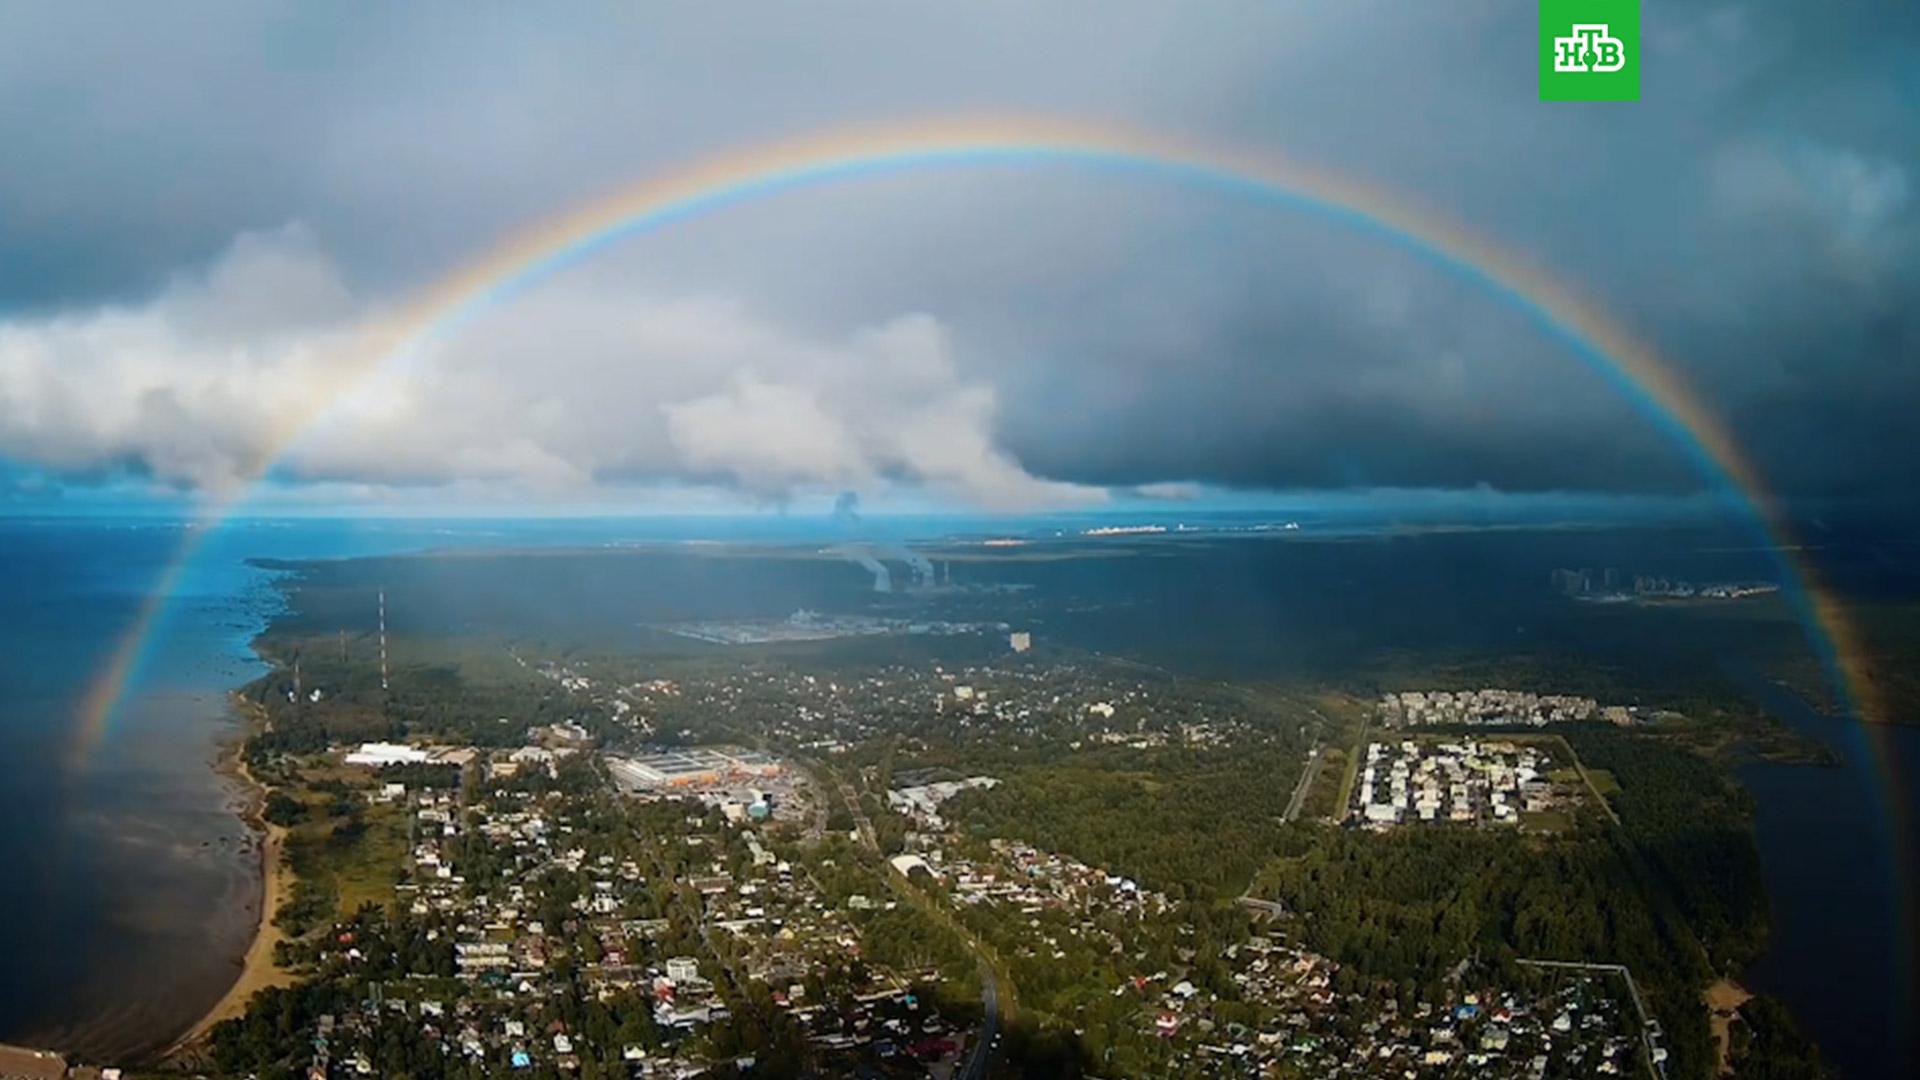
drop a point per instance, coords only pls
(551, 246)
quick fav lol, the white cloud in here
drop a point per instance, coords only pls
(766, 435)
(1171, 491)
(565, 393)
(889, 405)
(192, 386)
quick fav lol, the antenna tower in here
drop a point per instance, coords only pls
(383, 639)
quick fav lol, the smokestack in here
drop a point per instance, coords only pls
(882, 577)
(846, 514)
(923, 573)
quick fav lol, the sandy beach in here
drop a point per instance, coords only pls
(1724, 999)
(257, 969)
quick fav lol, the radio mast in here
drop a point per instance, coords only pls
(383, 640)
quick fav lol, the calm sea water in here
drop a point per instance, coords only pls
(128, 880)
(127, 884)
(1842, 951)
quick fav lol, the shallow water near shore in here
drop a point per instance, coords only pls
(130, 881)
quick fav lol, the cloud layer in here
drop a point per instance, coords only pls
(998, 335)
(251, 364)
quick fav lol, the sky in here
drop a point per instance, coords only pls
(200, 212)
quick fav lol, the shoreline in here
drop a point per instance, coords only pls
(257, 970)
(1723, 999)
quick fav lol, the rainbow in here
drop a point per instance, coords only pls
(548, 247)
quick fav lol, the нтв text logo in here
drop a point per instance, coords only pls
(1589, 50)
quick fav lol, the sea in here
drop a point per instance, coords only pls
(1832, 856)
(129, 886)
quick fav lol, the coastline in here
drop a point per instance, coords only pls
(257, 970)
(1723, 1000)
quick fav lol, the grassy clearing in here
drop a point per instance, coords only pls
(366, 870)
(1604, 782)
(345, 851)
(1545, 821)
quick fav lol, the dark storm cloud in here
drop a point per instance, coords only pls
(1754, 216)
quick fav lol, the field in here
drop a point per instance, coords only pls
(345, 852)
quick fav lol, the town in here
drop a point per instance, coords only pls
(1467, 781)
(544, 894)
(1610, 585)
(1498, 708)
(730, 869)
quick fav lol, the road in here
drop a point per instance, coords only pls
(1265, 907)
(1592, 788)
(662, 873)
(868, 838)
(981, 1056)
(1306, 781)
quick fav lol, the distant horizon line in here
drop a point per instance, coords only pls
(1383, 501)
(1206, 499)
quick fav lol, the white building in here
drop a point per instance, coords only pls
(379, 754)
(907, 864)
